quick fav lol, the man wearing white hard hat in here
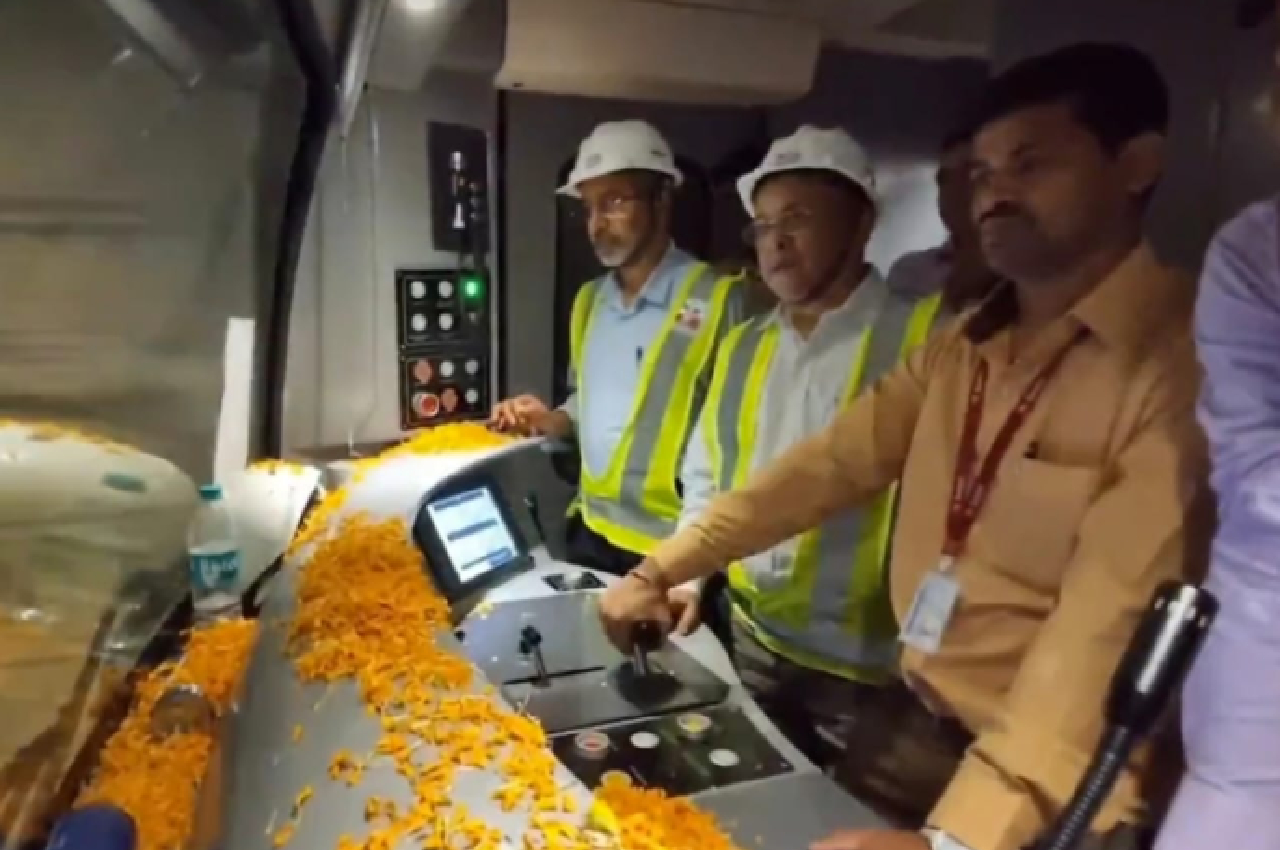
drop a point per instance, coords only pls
(813, 631)
(644, 338)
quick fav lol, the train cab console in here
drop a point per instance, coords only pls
(671, 715)
(659, 715)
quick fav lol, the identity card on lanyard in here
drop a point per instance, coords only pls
(936, 598)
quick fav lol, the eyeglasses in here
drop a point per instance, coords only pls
(787, 225)
(611, 207)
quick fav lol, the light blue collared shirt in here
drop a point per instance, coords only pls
(617, 341)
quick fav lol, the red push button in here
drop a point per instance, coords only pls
(426, 405)
(450, 400)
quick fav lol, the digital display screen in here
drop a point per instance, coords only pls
(474, 535)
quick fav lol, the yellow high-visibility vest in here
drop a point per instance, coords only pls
(633, 503)
(831, 611)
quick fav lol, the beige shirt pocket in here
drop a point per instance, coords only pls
(1032, 519)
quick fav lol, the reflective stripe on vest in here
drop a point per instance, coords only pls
(831, 611)
(634, 504)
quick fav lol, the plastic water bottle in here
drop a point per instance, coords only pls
(214, 556)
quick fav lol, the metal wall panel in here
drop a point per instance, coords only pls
(371, 216)
(1195, 46)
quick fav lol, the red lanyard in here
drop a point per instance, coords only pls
(972, 482)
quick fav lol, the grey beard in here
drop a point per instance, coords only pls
(613, 258)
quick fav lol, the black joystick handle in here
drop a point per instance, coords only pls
(1159, 656)
(531, 645)
(647, 635)
(645, 638)
(1157, 660)
(530, 639)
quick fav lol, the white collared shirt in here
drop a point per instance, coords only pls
(803, 393)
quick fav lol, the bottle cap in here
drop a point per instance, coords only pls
(211, 492)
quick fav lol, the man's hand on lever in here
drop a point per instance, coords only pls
(872, 839)
(683, 602)
(640, 596)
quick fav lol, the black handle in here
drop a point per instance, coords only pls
(1159, 656)
(1156, 661)
(646, 636)
(530, 639)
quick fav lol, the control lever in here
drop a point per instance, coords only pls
(638, 681)
(646, 637)
(531, 646)
(1150, 672)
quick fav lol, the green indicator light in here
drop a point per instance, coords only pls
(472, 287)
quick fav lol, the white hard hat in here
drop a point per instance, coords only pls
(621, 146)
(812, 149)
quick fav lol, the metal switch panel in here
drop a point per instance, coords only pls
(445, 342)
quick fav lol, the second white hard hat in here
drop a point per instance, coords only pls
(621, 146)
(812, 149)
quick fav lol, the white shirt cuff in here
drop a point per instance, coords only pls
(939, 840)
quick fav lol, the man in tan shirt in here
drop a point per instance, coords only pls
(1029, 574)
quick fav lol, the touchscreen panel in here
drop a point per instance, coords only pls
(473, 532)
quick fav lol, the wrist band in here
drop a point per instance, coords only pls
(656, 582)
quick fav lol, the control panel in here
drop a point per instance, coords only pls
(550, 655)
(682, 754)
(444, 336)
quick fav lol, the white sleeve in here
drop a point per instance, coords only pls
(570, 405)
(941, 841)
(570, 408)
(698, 480)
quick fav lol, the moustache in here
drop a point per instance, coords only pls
(1003, 211)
